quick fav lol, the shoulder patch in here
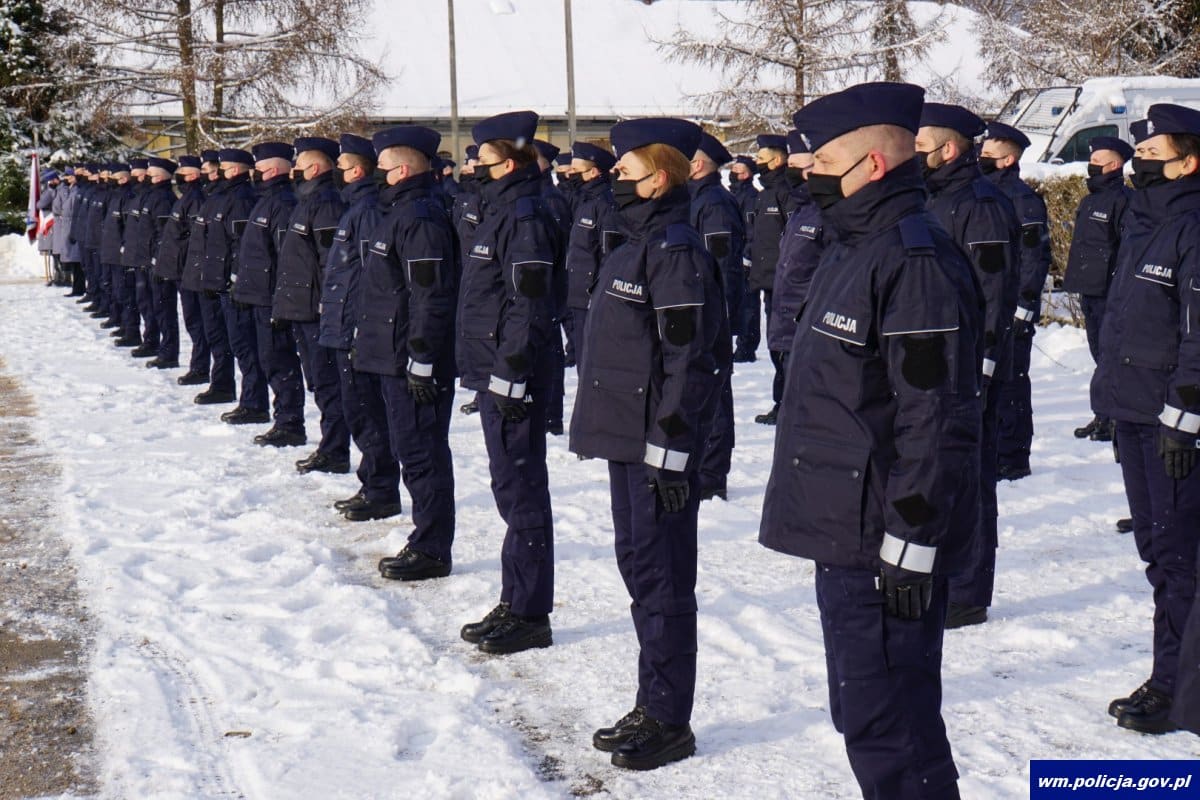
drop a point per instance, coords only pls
(915, 235)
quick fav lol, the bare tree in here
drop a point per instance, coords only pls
(776, 55)
(234, 70)
(1047, 42)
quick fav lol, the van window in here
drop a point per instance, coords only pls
(1077, 148)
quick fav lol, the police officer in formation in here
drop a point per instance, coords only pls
(405, 335)
(800, 249)
(1095, 241)
(717, 218)
(875, 475)
(596, 232)
(342, 296)
(656, 356)
(168, 264)
(506, 327)
(981, 220)
(1148, 383)
(253, 291)
(156, 200)
(1000, 162)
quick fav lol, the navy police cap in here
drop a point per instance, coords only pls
(747, 161)
(771, 141)
(352, 145)
(518, 126)
(1140, 130)
(327, 147)
(795, 140)
(264, 150)
(827, 118)
(211, 155)
(545, 149)
(631, 134)
(1007, 133)
(714, 149)
(139, 163)
(162, 163)
(603, 159)
(956, 118)
(563, 159)
(236, 156)
(472, 152)
(423, 140)
(115, 167)
(190, 161)
(1163, 118)
(1118, 146)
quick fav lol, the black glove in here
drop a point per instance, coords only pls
(211, 294)
(1112, 427)
(511, 408)
(422, 390)
(1179, 458)
(280, 325)
(672, 488)
(906, 594)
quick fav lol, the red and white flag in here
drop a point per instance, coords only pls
(33, 217)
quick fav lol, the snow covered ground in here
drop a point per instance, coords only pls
(246, 646)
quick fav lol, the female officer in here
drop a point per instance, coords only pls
(505, 323)
(656, 354)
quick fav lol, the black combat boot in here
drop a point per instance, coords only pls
(409, 565)
(1150, 714)
(474, 632)
(654, 744)
(609, 739)
(516, 634)
(1122, 704)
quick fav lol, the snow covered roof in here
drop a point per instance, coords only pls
(511, 54)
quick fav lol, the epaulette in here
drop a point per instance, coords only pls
(527, 207)
(914, 233)
(678, 236)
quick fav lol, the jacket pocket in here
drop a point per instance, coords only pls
(829, 482)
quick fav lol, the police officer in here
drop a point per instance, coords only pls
(771, 210)
(1095, 240)
(595, 233)
(560, 209)
(361, 392)
(1148, 382)
(741, 186)
(91, 219)
(877, 447)
(136, 260)
(505, 353)
(983, 223)
(206, 325)
(156, 199)
(122, 320)
(800, 251)
(405, 336)
(254, 286)
(655, 361)
(302, 259)
(467, 214)
(717, 218)
(1000, 161)
(563, 182)
(167, 270)
(227, 215)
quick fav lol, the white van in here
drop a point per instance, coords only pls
(1061, 120)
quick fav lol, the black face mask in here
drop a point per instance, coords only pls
(987, 164)
(180, 180)
(625, 193)
(1095, 170)
(761, 167)
(297, 176)
(1149, 172)
(575, 180)
(826, 190)
(256, 176)
(923, 160)
(483, 172)
(380, 176)
(795, 176)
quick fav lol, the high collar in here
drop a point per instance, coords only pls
(1156, 204)
(878, 205)
(229, 184)
(642, 219)
(596, 187)
(700, 184)
(365, 188)
(954, 175)
(772, 177)
(520, 183)
(1106, 182)
(276, 184)
(308, 188)
(417, 184)
(1006, 176)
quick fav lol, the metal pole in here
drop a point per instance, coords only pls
(454, 153)
(570, 73)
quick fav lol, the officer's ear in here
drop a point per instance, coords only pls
(1189, 165)
(879, 167)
